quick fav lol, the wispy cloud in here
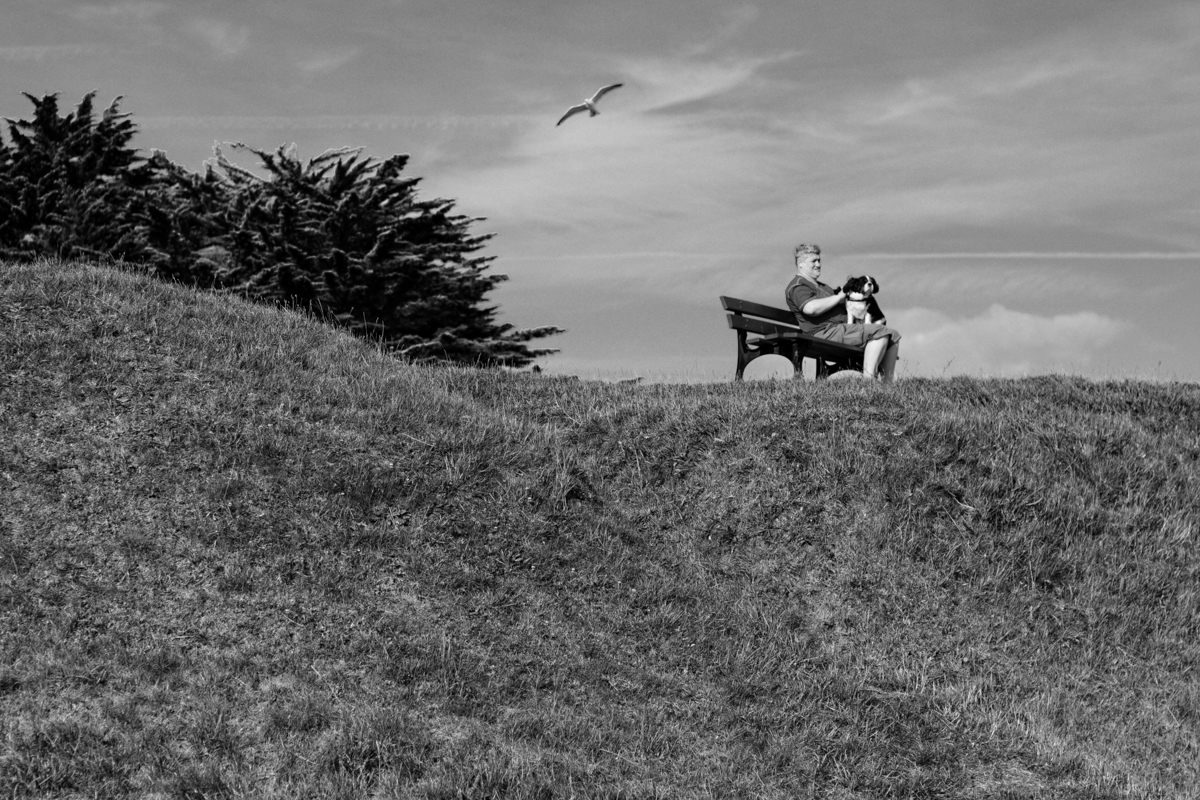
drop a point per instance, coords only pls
(320, 63)
(636, 254)
(665, 83)
(135, 11)
(959, 93)
(1091, 72)
(226, 39)
(48, 52)
(382, 122)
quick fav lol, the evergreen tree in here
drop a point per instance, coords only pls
(343, 234)
(348, 235)
(67, 183)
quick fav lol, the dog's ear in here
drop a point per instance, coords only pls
(874, 281)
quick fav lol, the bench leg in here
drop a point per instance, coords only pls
(743, 355)
(799, 353)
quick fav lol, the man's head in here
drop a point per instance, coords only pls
(808, 261)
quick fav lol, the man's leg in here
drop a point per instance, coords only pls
(873, 354)
(888, 365)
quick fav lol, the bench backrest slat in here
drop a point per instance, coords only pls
(758, 310)
(752, 325)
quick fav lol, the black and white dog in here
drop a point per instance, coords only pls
(860, 300)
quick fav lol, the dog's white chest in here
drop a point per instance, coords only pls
(856, 310)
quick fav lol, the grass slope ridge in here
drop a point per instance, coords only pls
(244, 555)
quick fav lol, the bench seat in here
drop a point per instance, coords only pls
(766, 330)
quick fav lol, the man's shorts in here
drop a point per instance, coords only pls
(856, 335)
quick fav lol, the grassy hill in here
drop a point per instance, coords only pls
(244, 555)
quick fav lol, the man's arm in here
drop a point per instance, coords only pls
(819, 305)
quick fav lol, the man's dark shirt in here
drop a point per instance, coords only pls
(799, 291)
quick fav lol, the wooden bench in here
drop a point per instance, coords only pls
(775, 332)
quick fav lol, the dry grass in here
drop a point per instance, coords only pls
(242, 555)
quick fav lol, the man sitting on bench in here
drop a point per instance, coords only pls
(820, 311)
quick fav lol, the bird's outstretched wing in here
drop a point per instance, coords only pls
(570, 111)
(596, 97)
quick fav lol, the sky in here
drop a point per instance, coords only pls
(1022, 177)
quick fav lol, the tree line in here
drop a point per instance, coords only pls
(344, 235)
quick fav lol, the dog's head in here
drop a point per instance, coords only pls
(861, 287)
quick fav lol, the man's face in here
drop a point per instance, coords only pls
(809, 265)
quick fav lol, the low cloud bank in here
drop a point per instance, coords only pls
(1002, 342)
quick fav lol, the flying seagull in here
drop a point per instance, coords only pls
(589, 105)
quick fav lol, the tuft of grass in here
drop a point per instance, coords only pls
(243, 555)
(374, 741)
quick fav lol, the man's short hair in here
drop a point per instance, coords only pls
(807, 250)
